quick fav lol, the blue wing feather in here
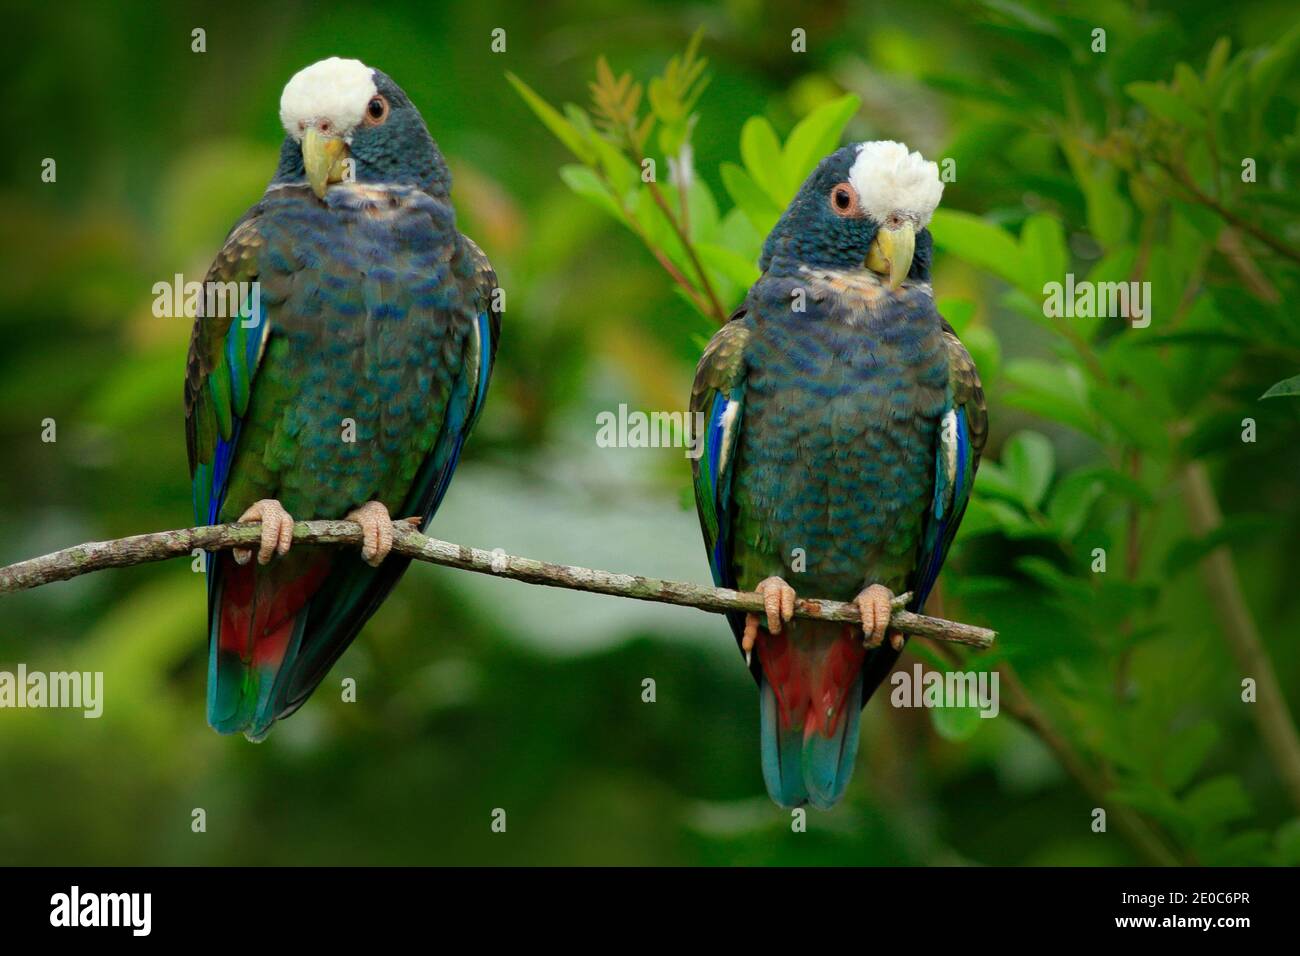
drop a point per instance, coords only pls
(951, 493)
(718, 404)
(243, 349)
(718, 448)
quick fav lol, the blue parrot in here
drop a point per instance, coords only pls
(844, 422)
(347, 392)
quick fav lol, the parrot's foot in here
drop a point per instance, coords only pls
(875, 604)
(376, 531)
(778, 602)
(277, 531)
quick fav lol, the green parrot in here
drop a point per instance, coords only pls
(347, 390)
(844, 422)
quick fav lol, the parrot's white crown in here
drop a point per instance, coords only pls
(335, 89)
(891, 181)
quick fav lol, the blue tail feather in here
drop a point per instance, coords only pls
(827, 762)
(781, 753)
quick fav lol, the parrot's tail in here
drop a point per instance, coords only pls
(810, 708)
(257, 615)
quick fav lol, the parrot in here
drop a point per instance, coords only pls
(344, 388)
(842, 423)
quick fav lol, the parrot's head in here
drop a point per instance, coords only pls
(865, 207)
(347, 122)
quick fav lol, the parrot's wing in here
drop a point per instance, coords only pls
(963, 429)
(718, 395)
(962, 433)
(470, 389)
(224, 355)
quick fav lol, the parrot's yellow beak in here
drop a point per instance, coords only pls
(891, 252)
(324, 158)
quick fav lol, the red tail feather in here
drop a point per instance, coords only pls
(811, 674)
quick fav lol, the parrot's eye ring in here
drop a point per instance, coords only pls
(376, 110)
(844, 200)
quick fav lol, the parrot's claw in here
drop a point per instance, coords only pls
(277, 531)
(376, 531)
(875, 604)
(778, 603)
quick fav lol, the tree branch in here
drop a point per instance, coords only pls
(1270, 711)
(160, 545)
(1145, 837)
(1181, 176)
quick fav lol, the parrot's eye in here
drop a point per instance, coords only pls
(844, 200)
(376, 110)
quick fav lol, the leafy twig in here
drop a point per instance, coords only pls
(1019, 704)
(1184, 179)
(715, 307)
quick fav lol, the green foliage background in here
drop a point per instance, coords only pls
(476, 694)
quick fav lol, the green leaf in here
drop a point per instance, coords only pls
(1267, 72)
(735, 267)
(761, 151)
(993, 479)
(956, 723)
(982, 343)
(1072, 500)
(1054, 579)
(703, 209)
(1119, 483)
(1053, 390)
(621, 171)
(1288, 386)
(1008, 518)
(551, 118)
(958, 312)
(1217, 59)
(1145, 797)
(737, 233)
(979, 519)
(1167, 105)
(1109, 214)
(1220, 800)
(978, 242)
(816, 136)
(658, 229)
(752, 199)
(1026, 17)
(589, 186)
(1029, 460)
(1043, 252)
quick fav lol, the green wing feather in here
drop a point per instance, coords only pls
(224, 355)
(718, 401)
(718, 396)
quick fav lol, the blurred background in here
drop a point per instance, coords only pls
(1121, 690)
